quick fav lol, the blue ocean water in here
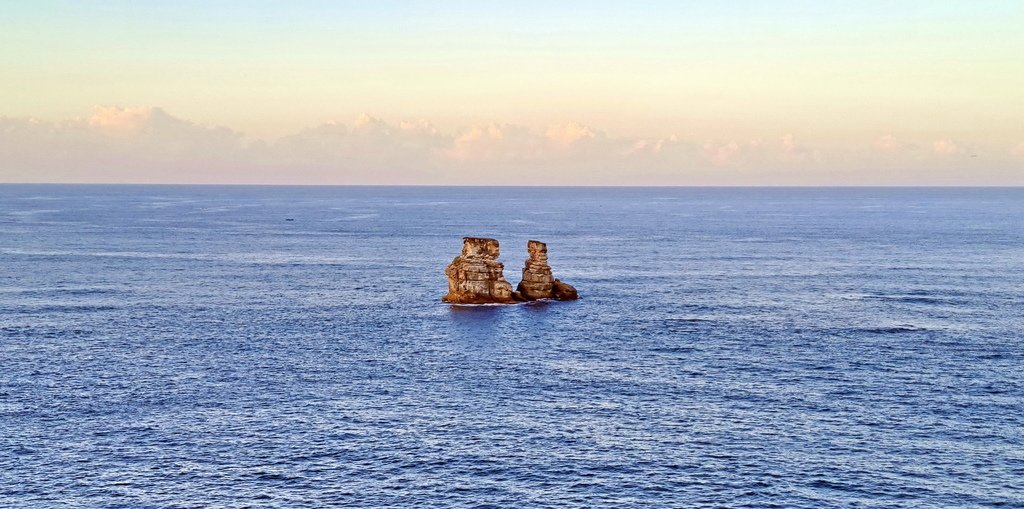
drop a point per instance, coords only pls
(285, 347)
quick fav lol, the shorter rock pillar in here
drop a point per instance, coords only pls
(538, 281)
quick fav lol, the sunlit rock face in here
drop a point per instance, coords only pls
(538, 281)
(476, 275)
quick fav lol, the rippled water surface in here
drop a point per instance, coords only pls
(286, 347)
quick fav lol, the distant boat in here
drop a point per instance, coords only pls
(288, 219)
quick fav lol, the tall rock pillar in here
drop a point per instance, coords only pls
(476, 275)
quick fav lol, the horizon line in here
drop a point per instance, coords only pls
(580, 186)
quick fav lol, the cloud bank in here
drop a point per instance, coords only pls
(149, 145)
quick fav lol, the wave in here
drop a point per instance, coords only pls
(240, 258)
(895, 329)
(910, 298)
(61, 292)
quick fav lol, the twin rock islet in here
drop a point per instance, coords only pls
(476, 276)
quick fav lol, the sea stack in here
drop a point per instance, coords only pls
(538, 282)
(475, 276)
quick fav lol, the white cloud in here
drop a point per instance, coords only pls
(496, 143)
(421, 127)
(739, 154)
(721, 153)
(895, 147)
(652, 146)
(572, 133)
(147, 144)
(789, 144)
(794, 151)
(115, 144)
(888, 144)
(947, 148)
(115, 118)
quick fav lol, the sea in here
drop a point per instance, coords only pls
(286, 347)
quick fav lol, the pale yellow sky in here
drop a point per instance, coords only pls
(842, 80)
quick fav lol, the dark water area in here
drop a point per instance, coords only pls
(285, 347)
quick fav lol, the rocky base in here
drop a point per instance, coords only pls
(563, 291)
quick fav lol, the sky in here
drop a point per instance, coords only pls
(513, 93)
